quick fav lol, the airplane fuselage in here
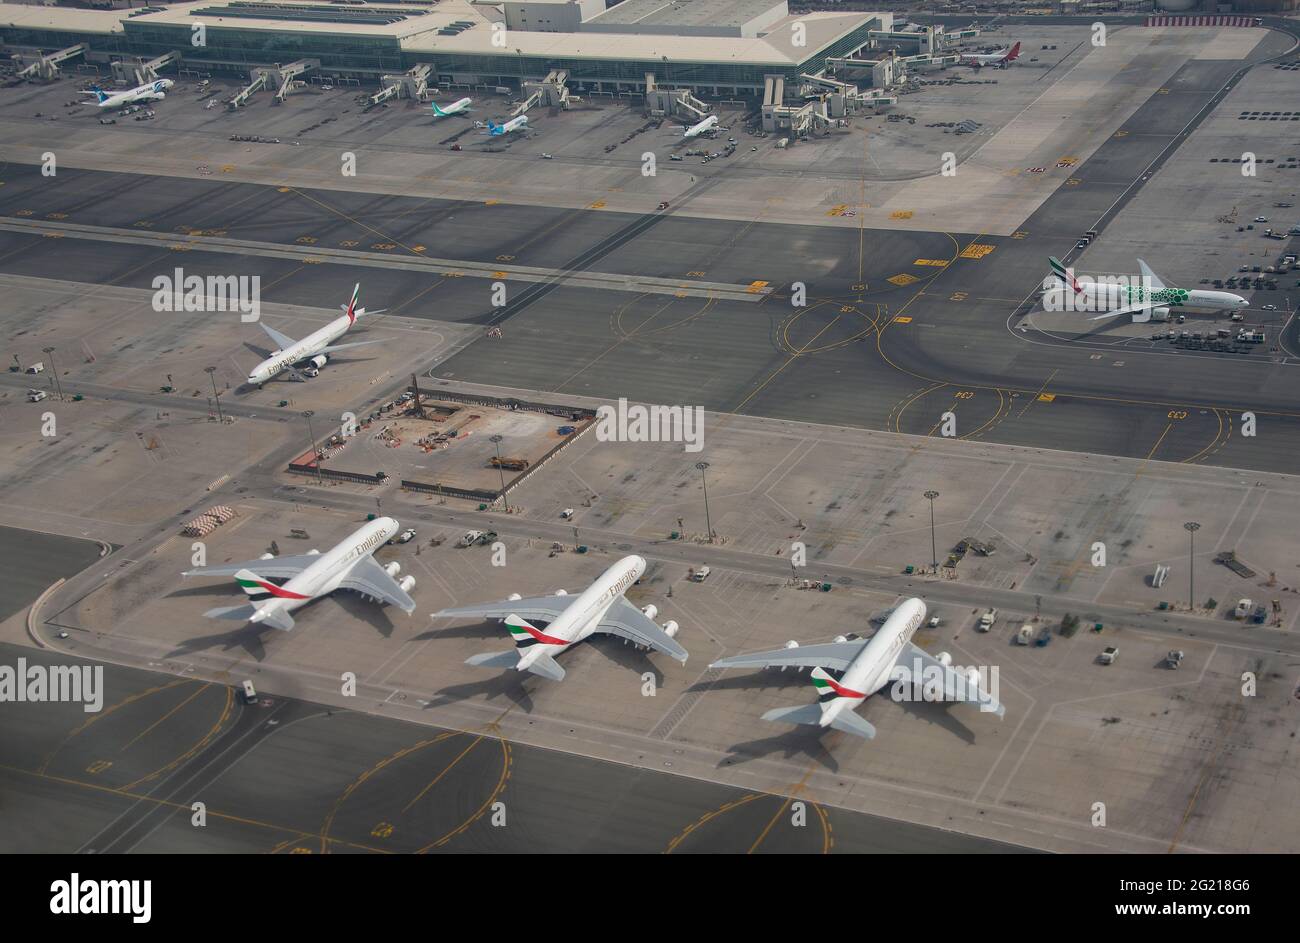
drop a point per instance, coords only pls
(581, 617)
(325, 574)
(151, 91)
(708, 124)
(454, 108)
(870, 669)
(514, 124)
(1106, 297)
(305, 349)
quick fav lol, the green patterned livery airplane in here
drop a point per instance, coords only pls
(1151, 298)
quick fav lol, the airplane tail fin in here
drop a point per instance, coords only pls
(492, 126)
(351, 309)
(525, 634)
(438, 111)
(829, 690)
(1014, 54)
(1063, 274)
(100, 94)
(259, 589)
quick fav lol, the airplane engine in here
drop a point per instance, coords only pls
(792, 644)
(561, 592)
(267, 556)
(944, 659)
(972, 675)
(407, 584)
(651, 611)
(393, 569)
(319, 360)
(841, 639)
(514, 596)
(670, 629)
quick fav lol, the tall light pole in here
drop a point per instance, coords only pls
(212, 375)
(496, 440)
(708, 522)
(1191, 527)
(315, 456)
(54, 371)
(934, 547)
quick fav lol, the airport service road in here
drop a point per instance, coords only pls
(288, 776)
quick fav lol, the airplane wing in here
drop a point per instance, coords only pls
(275, 566)
(956, 686)
(333, 347)
(1131, 309)
(627, 621)
(541, 608)
(1150, 279)
(283, 340)
(836, 655)
(367, 576)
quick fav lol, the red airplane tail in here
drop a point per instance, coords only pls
(1014, 54)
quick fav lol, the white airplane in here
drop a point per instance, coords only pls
(151, 91)
(304, 358)
(309, 576)
(1152, 296)
(567, 620)
(455, 108)
(695, 130)
(865, 666)
(514, 124)
(1001, 59)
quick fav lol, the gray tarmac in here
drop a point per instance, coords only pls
(32, 561)
(290, 777)
(865, 351)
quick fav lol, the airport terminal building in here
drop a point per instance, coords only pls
(713, 47)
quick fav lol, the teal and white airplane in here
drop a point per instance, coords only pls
(455, 108)
(1150, 297)
(150, 91)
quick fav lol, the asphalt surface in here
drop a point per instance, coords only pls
(32, 562)
(864, 351)
(285, 776)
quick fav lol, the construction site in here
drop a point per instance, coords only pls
(446, 444)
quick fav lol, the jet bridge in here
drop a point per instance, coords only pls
(136, 71)
(281, 77)
(551, 91)
(673, 103)
(47, 67)
(258, 83)
(412, 84)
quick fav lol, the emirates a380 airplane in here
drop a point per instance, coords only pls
(544, 626)
(864, 666)
(312, 575)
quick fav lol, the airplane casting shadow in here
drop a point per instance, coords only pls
(508, 684)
